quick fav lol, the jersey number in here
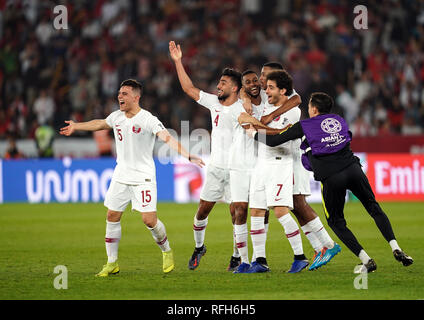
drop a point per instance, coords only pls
(145, 196)
(216, 120)
(279, 185)
(119, 134)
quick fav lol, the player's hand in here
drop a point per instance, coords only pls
(175, 51)
(69, 129)
(196, 160)
(244, 118)
(247, 103)
(251, 131)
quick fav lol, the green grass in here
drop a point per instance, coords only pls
(36, 238)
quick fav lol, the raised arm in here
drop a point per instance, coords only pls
(289, 104)
(93, 125)
(175, 145)
(185, 81)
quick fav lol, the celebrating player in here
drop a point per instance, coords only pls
(272, 182)
(134, 177)
(309, 221)
(216, 186)
(326, 142)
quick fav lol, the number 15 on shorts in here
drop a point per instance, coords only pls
(146, 198)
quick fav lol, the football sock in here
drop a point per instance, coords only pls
(314, 241)
(318, 229)
(258, 235)
(394, 245)
(199, 227)
(112, 238)
(292, 232)
(364, 256)
(236, 253)
(241, 233)
(159, 235)
(266, 232)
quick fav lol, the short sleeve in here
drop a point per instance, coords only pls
(207, 100)
(110, 119)
(155, 125)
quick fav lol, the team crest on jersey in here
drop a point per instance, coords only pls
(136, 129)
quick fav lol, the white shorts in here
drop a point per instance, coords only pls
(143, 197)
(217, 185)
(271, 185)
(301, 176)
(240, 185)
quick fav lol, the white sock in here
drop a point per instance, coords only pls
(314, 241)
(266, 233)
(320, 232)
(241, 233)
(292, 232)
(236, 253)
(258, 235)
(159, 235)
(364, 256)
(394, 245)
(112, 238)
(199, 227)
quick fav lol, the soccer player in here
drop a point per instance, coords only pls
(326, 142)
(242, 160)
(309, 221)
(272, 182)
(134, 177)
(216, 185)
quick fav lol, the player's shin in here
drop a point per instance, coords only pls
(160, 237)
(112, 238)
(199, 227)
(241, 233)
(321, 233)
(292, 232)
(257, 233)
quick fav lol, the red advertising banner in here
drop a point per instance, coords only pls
(389, 144)
(396, 177)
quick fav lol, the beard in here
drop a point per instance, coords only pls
(223, 97)
(252, 95)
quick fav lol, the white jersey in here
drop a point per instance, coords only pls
(222, 128)
(135, 138)
(292, 116)
(243, 153)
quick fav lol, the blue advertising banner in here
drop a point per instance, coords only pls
(68, 180)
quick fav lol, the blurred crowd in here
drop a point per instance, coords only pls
(48, 76)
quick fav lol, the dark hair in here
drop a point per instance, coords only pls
(234, 75)
(274, 65)
(246, 72)
(322, 101)
(134, 84)
(282, 79)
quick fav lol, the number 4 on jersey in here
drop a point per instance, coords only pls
(216, 120)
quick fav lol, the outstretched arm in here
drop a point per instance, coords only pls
(245, 119)
(175, 145)
(185, 81)
(93, 125)
(290, 132)
(289, 104)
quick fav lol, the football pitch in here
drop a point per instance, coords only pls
(35, 238)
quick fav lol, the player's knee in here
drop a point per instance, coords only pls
(337, 223)
(149, 219)
(374, 209)
(113, 216)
